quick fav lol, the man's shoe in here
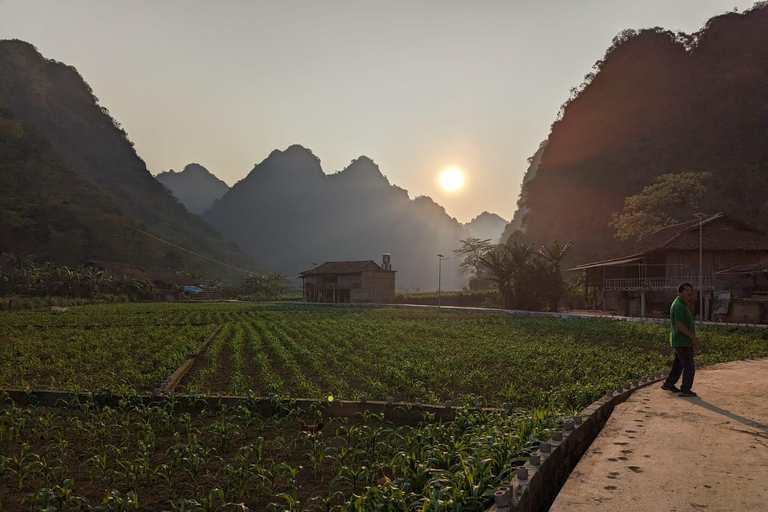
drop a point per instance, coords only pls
(688, 393)
(670, 387)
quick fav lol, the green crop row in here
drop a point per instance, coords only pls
(133, 457)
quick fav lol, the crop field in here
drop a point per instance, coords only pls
(84, 456)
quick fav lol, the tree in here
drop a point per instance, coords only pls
(506, 266)
(472, 250)
(669, 200)
(553, 255)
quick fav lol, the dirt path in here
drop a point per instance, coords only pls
(659, 452)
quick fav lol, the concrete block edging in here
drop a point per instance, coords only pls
(536, 483)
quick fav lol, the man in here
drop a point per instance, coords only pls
(683, 340)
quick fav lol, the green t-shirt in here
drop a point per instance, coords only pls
(680, 312)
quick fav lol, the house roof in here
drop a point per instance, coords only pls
(756, 267)
(166, 276)
(685, 237)
(118, 269)
(342, 267)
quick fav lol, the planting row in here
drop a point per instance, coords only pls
(437, 356)
(315, 352)
(135, 457)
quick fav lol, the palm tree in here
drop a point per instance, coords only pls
(554, 255)
(506, 264)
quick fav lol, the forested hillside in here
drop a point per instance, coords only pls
(659, 102)
(289, 214)
(71, 180)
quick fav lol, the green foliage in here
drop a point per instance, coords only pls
(23, 277)
(671, 199)
(471, 252)
(149, 455)
(71, 185)
(259, 287)
(526, 279)
(658, 103)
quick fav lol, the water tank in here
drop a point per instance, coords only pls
(385, 261)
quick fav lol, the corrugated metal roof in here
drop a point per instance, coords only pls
(685, 236)
(757, 267)
(610, 264)
(341, 267)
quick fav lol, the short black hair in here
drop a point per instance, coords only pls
(682, 286)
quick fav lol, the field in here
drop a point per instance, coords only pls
(80, 456)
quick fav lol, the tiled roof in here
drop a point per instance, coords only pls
(685, 237)
(341, 267)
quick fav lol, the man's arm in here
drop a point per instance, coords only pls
(683, 329)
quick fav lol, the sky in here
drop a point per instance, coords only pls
(417, 86)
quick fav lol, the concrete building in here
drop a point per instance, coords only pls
(350, 281)
(640, 278)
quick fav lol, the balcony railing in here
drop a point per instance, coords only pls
(656, 283)
(333, 286)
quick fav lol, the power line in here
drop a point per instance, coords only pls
(191, 252)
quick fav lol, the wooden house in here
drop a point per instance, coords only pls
(640, 278)
(350, 281)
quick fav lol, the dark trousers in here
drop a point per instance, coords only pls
(683, 363)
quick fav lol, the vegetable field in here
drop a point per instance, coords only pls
(313, 352)
(84, 456)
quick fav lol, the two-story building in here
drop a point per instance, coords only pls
(350, 281)
(640, 278)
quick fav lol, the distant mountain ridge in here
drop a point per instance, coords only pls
(659, 102)
(486, 226)
(288, 213)
(52, 128)
(196, 187)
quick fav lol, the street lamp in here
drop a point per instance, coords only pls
(440, 276)
(701, 216)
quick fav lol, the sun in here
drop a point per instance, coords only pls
(451, 179)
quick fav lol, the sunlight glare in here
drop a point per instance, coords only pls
(451, 179)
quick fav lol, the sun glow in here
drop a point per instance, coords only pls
(451, 179)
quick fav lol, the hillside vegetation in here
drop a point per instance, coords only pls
(659, 102)
(72, 185)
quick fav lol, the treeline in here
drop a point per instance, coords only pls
(526, 278)
(22, 277)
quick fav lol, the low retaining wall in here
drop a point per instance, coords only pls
(537, 483)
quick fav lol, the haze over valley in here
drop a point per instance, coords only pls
(76, 188)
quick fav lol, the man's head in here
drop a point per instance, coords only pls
(685, 291)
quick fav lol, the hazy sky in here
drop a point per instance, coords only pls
(418, 86)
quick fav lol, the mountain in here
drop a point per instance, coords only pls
(195, 187)
(659, 102)
(486, 225)
(289, 214)
(517, 220)
(73, 188)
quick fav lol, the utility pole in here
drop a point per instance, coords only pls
(701, 269)
(440, 277)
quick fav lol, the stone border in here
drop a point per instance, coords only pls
(170, 383)
(537, 483)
